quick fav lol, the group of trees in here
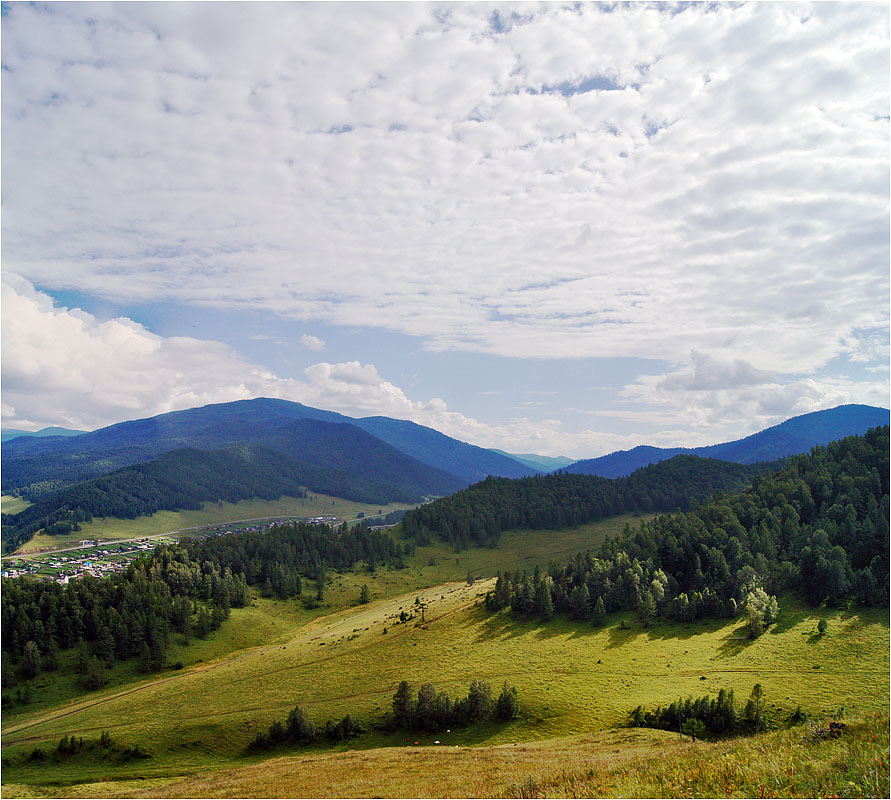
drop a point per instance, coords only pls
(429, 710)
(424, 710)
(187, 588)
(706, 715)
(818, 526)
(479, 514)
(300, 729)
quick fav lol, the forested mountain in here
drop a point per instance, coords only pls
(29, 461)
(330, 458)
(819, 526)
(327, 457)
(467, 461)
(792, 437)
(481, 512)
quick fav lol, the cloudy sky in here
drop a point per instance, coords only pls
(546, 228)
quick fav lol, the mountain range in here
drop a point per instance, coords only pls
(264, 447)
(794, 436)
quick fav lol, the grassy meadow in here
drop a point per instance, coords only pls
(210, 514)
(577, 686)
(12, 505)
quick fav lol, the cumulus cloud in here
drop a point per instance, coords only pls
(544, 181)
(62, 366)
(718, 398)
(311, 342)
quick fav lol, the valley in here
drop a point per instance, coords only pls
(571, 678)
(592, 597)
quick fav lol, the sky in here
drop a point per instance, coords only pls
(546, 228)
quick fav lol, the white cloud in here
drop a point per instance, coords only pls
(723, 399)
(311, 342)
(64, 367)
(417, 168)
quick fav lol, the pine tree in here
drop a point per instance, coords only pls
(543, 599)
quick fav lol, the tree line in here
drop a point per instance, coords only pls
(479, 514)
(709, 716)
(421, 710)
(186, 588)
(819, 527)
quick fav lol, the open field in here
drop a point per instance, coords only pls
(572, 679)
(211, 514)
(271, 621)
(12, 505)
(613, 763)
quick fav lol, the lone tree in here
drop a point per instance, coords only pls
(760, 611)
(822, 626)
(364, 594)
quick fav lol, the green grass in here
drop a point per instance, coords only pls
(269, 621)
(12, 505)
(210, 514)
(571, 677)
(612, 763)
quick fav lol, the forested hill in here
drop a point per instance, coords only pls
(329, 458)
(819, 526)
(481, 512)
(792, 437)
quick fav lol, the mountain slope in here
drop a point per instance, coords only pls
(792, 437)
(480, 513)
(331, 458)
(432, 447)
(28, 461)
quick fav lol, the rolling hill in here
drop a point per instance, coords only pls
(792, 437)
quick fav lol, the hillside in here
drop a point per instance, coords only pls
(203, 645)
(481, 512)
(467, 461)
(331, 458)
(792, 437)
(52, 463)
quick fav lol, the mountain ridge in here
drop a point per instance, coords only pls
(794, 436)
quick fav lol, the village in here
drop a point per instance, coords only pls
(98, 558)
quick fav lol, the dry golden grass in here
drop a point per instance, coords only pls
(612, 763)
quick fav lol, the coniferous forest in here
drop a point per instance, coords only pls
(479, 514)
(818, 527)
(189, 588)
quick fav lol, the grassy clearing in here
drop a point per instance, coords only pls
(12, 505)
(272, 621)
(210, 514)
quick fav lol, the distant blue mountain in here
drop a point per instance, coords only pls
(537, 462)
(27, 460)
(467, 461)
(794, 436)
(11, 433)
